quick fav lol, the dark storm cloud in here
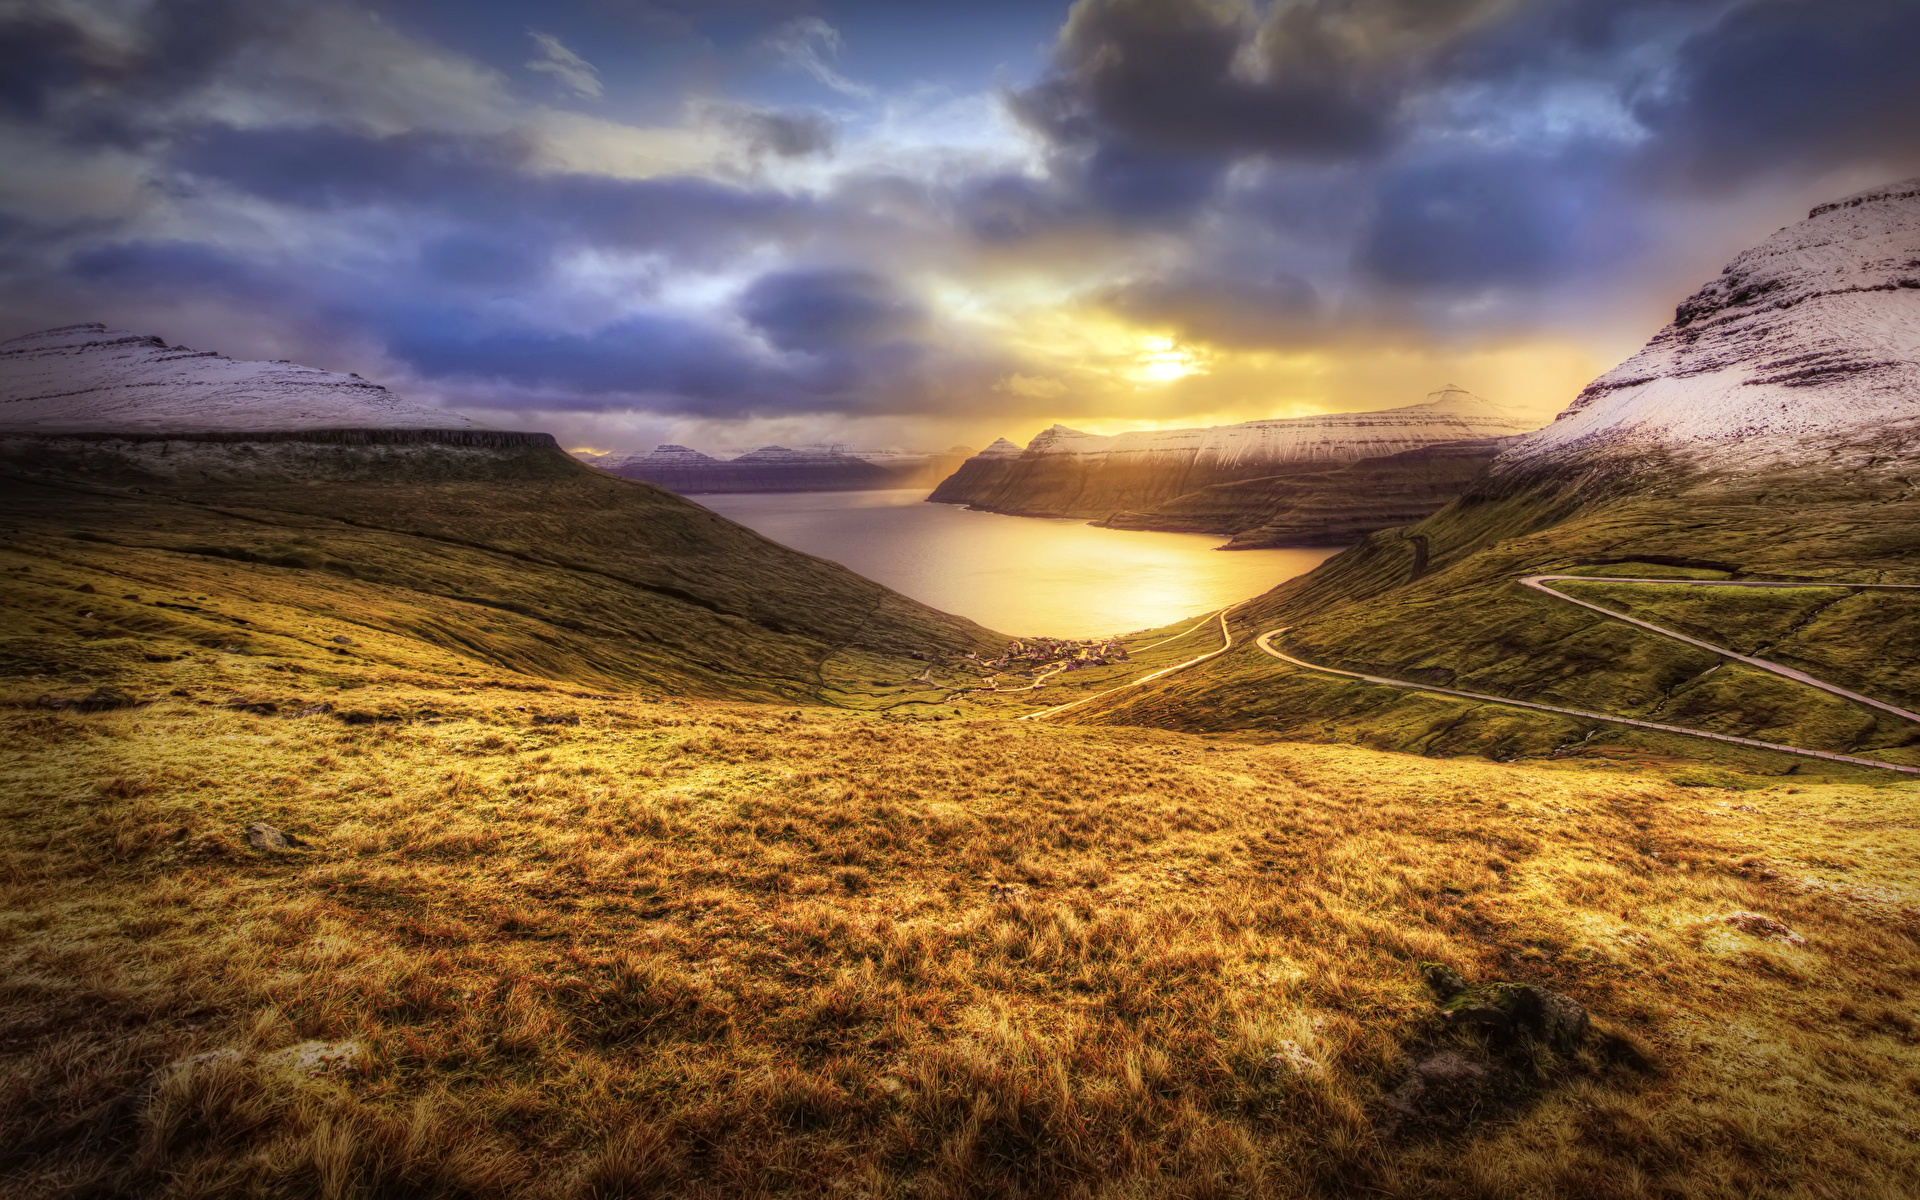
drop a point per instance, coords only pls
(1792, 86)
(112, 90)
(172, 267)
(679, 364)
(785, 134)
(1168, 75)
(486, 181)
(1482, 221)
(828, 310)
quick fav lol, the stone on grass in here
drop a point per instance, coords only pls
(1760, 925)
(262, 836)
(1508, 1011)
(1446, 1088)
(311, 1058)
(1520, 1010)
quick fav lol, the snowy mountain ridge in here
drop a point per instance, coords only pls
(1806, 342)
(91, 379)
(1450, 414)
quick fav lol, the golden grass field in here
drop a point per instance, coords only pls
(894, 948)
(712, 949)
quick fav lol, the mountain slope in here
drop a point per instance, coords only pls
(1686, 471)
(1066, 473)
(90, 378)
(1319, 505)
(1805, 344)
(564, 570)
(781, 469)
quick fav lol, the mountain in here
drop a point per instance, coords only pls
(88, 378)
(1806, 345)
(1066, 473)
(1767, 434)
(1322, 505)
(781, 469)
(396, 515)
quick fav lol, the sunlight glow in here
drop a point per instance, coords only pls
(1160, 360)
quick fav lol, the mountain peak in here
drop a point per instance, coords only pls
(90, 378)
(1807, 341)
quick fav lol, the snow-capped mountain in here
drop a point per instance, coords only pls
(1806, 343)
(807, 468)
(1064, 472)
(91, 379)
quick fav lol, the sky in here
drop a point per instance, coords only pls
(728, 223)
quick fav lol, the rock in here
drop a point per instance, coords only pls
(1446, 1089)
(98, 700)
(1293, 1057)
(262, 836)
(342, 640)
(1519, 1011)
(1760, 925)
(311, 1058)
(1444, 980)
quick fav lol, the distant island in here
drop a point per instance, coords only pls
(782, 469)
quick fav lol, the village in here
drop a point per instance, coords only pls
(1062, 654)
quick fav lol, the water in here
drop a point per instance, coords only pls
(1019, 575)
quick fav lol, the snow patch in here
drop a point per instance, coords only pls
(91, 379)
(1808, 341)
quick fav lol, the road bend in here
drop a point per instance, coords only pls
(1539, 584)
(1265, 642)
(1226, 638)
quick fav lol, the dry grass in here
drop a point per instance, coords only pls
(719, 949)
(566, 940)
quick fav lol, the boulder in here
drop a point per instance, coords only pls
(1508, 1011)
(262, 836)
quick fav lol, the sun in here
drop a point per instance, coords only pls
(1161, 360)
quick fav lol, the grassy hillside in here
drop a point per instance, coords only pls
(525, 561)
(552, 923)
(1465, 623)
(699, 948)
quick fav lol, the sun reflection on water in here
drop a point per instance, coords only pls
(1019, 575)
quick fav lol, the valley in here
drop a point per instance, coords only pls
(398, 806)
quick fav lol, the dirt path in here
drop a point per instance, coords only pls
(1539, 582)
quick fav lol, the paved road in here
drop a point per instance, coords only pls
(1539, 582)
(1163, 672)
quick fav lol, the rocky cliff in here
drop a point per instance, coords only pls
(1318, 505)
(781, 469)
(1806, 344)
(1066, 473)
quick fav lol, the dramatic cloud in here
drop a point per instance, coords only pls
(1180, 210)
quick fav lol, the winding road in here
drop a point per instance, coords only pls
(1539, 584)
(1225, 635)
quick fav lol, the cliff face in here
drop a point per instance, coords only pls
(1324, 506)
(1805, 344)
(1066, 473)
(780, 469)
